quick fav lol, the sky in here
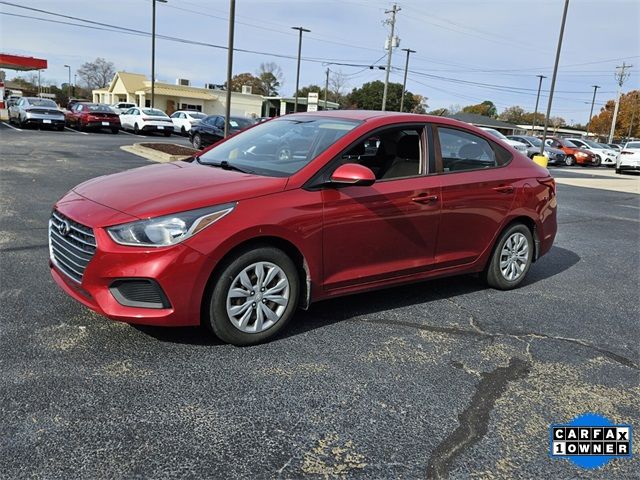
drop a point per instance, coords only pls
(467, 51)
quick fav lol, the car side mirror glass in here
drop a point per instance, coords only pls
(353, 174)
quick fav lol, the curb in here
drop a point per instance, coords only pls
(152, 154)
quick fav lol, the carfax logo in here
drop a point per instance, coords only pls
(590, 440)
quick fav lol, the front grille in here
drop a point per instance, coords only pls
(71, 245)
(142, 292)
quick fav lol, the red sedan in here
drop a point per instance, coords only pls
(240, 237)
(95, 116)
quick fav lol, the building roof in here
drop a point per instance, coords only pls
(131, 81)
(482, 121)
(176, 91)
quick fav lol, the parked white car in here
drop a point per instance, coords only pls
(604, 156)
(184, 119)
(122, 107)
(629, 160)
(146, 120)
(519, 146)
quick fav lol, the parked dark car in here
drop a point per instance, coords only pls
(210, 130)
(237, 242)
(95, 116)
(555, 156)
(36, 111)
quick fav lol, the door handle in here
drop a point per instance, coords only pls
(504, 189)
(424, 198)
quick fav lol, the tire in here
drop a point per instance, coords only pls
(569, 160)
(507, 274)
(115, 131)
(183, 131)
(196, 141)
(136, 130)
(284, 281)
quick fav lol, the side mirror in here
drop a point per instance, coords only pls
(353, 174)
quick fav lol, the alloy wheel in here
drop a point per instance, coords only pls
(514, 256)
(258, 297)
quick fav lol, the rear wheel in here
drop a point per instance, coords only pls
(511, 258)
(254, 296)
(597, 162)
(569, 160)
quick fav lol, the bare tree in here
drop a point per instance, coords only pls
(97, 74)
(270, 75)
(337, 83)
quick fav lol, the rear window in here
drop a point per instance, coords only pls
(42, 102)
(99, 108)
(153, 112)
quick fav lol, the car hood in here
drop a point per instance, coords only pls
(167, 188)
(555, 151)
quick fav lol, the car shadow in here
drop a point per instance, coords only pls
(328, 312)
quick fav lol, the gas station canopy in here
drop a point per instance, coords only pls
(18, 62)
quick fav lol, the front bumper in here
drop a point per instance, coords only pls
(180, 273)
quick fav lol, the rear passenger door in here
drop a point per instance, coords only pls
(476, 194)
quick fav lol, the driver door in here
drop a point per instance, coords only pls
(389, 229)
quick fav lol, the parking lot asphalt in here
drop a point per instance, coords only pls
(441, 379)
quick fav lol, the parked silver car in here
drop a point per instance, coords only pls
(555, 156)
(36, 111)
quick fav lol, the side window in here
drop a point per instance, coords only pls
(461, 151)
(219, 122)
(391, 153)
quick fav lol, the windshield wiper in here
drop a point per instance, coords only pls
(226, 166)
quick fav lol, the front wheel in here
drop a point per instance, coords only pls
(196, 141)
(569, 161)
(511, 258)
(598, 162)
(254, 296)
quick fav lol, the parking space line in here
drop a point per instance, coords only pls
(77, 131)
(132, 134)
(11, 126)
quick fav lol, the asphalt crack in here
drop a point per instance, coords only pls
(473, 422)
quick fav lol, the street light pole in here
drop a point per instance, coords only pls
(295, 101)
(326, 87)
(553, 78)
(69, 84)
(232, 22)
(593, 101)
(404, 82)
(535, 113)
(153, 49)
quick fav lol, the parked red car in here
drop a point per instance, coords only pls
(574, 154)
(241, 236)
(85, 116)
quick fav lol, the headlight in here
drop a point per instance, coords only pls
(170, 229)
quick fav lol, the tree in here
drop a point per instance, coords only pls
(486, 108)
(271, 78)
(97, 74)
(241, 79)
(421, 104)
(629, 109)
(369, 97)
(512, 114)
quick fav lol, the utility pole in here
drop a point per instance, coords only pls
(553, 77)
(153, 50)
(535, 113)
(39, 83)
(69, 84)
(295, 101)
(406, 69)
(232, 22)
(593, 101)
(326, 87)
(392, 22)
(621, 76)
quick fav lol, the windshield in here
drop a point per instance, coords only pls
(280, 147)
(536, 142)
(99, 108)
(153, 112)
(568, 143)
(495, 133)
(241, 123)
(593, 144)
(199, 116)
(42, 102)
